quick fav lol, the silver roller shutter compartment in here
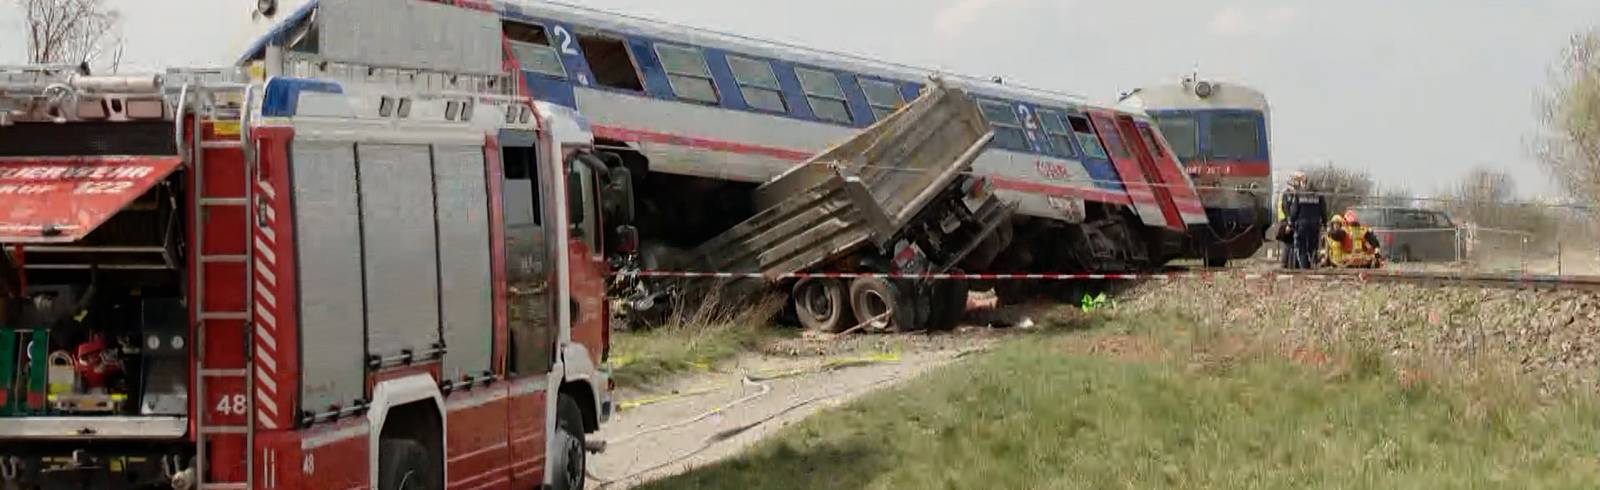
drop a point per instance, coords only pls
(397, 223)
(464, 281)
(328, 236)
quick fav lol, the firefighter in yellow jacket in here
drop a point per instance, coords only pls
(1350, 244)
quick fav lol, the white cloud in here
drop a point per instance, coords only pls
(954, 18)
(1240, 21)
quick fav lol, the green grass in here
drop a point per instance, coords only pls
(695, 341)
(1122, 406)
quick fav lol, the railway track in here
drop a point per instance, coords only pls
(1425, 278)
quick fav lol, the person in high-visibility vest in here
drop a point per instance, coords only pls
(1351, 244)
(1285, 228)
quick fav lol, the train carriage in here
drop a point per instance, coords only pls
(703, 117)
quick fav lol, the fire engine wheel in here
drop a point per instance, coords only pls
(872, 297)
(949, 303)
(570, 456)
(403, 465)
(821, 304)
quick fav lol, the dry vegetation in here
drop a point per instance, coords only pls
(697, 336)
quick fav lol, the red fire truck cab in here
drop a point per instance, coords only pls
(303, 274)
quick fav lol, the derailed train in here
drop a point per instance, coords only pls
(702, 118)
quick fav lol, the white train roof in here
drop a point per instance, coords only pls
(1182, 95)
(623, 23)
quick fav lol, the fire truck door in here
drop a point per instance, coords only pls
(586, 249)
(526, 195)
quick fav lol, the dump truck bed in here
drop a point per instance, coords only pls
(863, 191)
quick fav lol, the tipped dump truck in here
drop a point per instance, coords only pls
(892, 204)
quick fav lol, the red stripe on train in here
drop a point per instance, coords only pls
(637, 136)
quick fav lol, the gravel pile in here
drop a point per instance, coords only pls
(1552, 336)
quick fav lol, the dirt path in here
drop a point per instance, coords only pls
(702, 419)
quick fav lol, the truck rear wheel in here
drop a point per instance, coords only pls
(821, 304)
(949, 303)
(569, 452)
(872, 297)
(403, 465)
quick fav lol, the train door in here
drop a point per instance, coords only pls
(1173, 190)
(1153, 203)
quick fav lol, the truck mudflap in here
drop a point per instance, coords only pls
(867, 190)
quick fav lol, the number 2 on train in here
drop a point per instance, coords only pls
(566, 41)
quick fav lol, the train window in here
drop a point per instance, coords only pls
(884, 97)
(1008, 131)
(1086, 138)
(610, 62)
(1182, 134)
(1235, 136)
(758, 84)
(1056, 128)
(530, 45)
(1150, 143)
(687, 72)
(1116, 144)
(825, 95)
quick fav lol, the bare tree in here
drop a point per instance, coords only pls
(1484, 196)
(1568, 142)
(1488, 198)
(1394, 196)
(1344, 188)
(69, 31)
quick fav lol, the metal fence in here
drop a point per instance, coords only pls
(1500, 238)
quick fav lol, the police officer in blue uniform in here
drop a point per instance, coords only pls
(1308, 212)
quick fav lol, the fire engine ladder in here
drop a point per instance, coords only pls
(224, 425)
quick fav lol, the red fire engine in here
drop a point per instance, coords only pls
(320, 271)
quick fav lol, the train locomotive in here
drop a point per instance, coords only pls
(1221, 131)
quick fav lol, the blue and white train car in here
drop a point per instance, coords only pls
(709, 115)
(1221, 131)
(703, 117)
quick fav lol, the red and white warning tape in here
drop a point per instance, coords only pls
(1512, 280)
(974, 277)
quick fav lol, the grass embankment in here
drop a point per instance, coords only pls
(1153, 401)
(693, 341)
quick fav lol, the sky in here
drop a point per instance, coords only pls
(1416, 92)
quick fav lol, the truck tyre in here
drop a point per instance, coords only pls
(821, 304)
(403, 465)
(949, 304)
(569, 454)
(925, 299)
(872, 296)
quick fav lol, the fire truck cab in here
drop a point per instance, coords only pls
(310, 271)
